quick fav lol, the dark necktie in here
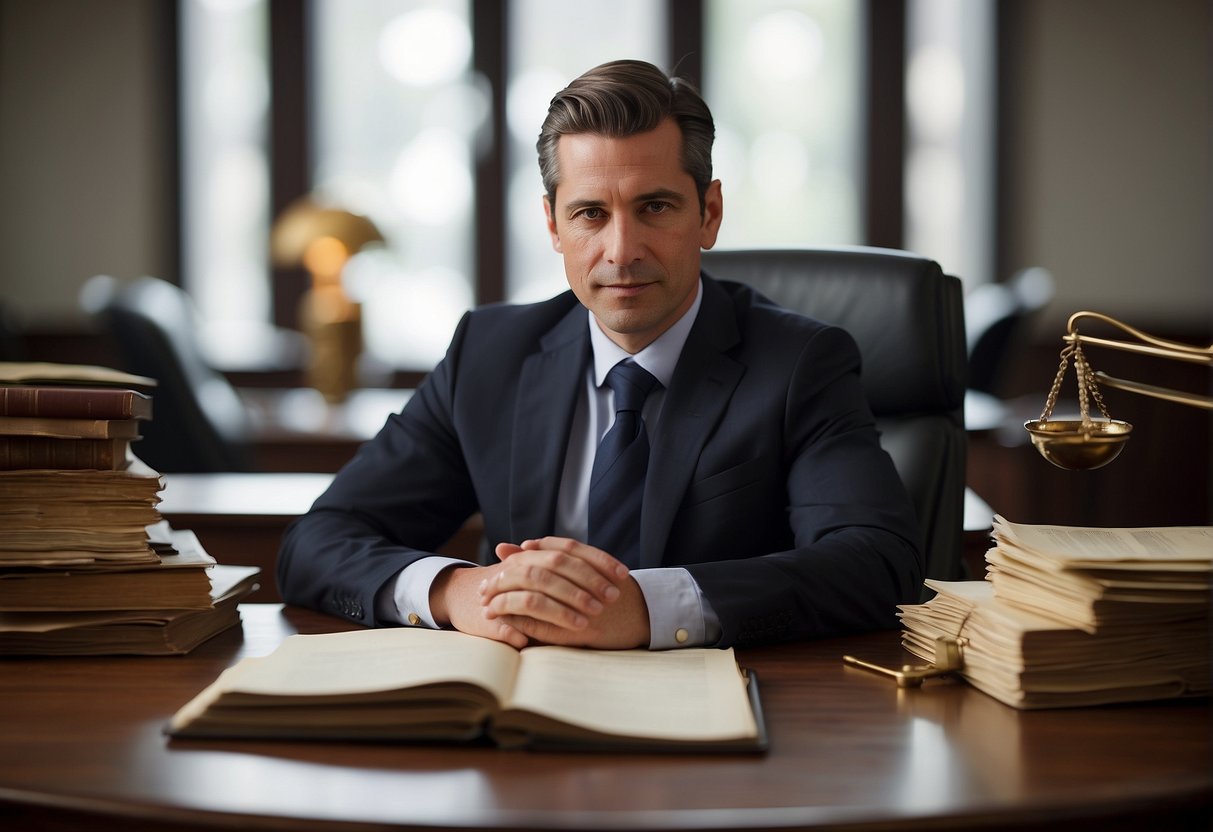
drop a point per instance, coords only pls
(617, 478)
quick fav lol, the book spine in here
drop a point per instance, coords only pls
(46, 452)
(80, 428)
(74, 402)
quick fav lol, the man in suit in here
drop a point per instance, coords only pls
(768, 511)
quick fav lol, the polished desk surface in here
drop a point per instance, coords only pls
(240, 518)
(81, 747)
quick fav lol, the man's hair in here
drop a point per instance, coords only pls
(623, 98)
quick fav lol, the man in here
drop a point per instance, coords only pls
(761, 506)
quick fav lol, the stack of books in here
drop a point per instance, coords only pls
(1072, 616)
(87, 565)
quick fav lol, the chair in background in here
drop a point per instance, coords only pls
(997, 316)
(199, 423)
(908, 319)
(12, 336)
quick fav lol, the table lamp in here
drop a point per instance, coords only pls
(323, 239)
(1086, 443)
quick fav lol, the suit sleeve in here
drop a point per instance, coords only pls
(853, 554)
(402, 496)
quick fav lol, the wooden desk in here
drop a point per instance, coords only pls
(296, 430)
(240, 518)
(81, 748)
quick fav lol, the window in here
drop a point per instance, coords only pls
(404, 108)
(783, 80)
(950, 143)
(551, 43)
(395, 115)
(225, 170)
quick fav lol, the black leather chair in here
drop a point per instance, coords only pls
(199, 423)
(908, 319)
(998, 316)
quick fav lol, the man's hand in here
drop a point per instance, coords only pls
(561, 591)
(554, 590)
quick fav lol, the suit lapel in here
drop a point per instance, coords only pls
(547, 394)
(700, 391)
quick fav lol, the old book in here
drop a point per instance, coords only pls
(70, 518)
(69, 428)
(55, 452)
(142, 633)
(89, 375)
(74, 402)
(180, 580)
(427, 685)
(137, 481)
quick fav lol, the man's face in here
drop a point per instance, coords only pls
(628, 224)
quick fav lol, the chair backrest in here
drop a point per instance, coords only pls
(199, 423)
(908, 318)
(998, 316)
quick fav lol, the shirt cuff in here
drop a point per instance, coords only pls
(409, 599)
(679, 615)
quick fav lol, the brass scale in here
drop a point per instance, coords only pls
(1076, 445)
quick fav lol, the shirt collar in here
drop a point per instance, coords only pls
(659, 357)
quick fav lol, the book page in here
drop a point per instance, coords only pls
(364, 661)
(673, 694)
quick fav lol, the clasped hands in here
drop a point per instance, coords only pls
(554, 590)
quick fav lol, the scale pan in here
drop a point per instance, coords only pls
(1079, 446)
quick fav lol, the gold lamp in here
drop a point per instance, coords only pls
(323, 239)
(1089, 443)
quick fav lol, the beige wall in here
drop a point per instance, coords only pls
(84, 145)
(1108, 154)
(1108, 144)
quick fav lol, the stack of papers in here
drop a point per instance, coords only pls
(1072, 616)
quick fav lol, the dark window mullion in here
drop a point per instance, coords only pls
(290, 173)
(685, 39)
(489, 60)
(884, 56)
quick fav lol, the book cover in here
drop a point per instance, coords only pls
(55, 452)
(74, 402)
(129, 632)
(84, 428)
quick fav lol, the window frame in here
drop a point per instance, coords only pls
(884, 23)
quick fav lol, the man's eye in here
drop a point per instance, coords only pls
(657, 207)
(589, 214)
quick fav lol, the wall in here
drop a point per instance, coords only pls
(1107, 153)
(1106, 145)
(85, 148)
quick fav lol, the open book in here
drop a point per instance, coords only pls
(434, 685)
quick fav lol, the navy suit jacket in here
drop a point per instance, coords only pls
(766, 478)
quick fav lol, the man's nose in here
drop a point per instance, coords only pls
(625, 241)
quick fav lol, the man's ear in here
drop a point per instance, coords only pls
(713, 213)
(549, 213)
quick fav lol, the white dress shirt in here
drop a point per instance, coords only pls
(679, 615)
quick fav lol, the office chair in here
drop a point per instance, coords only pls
(997, 316)
(908, 319)
(12, 336)
(199, 424)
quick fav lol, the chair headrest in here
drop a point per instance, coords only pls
(906, 315)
